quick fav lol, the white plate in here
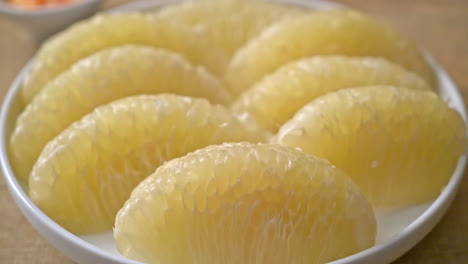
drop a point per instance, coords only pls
(398, 230)
(44, 22)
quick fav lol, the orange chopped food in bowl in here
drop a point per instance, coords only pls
(33, 4)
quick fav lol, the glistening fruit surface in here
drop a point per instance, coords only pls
(399, 145)
(245, 203)
(84, 176)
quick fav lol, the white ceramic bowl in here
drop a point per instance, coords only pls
(43, 22)
(398, 230)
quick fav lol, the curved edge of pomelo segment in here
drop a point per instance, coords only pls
(274, 99)
(284, 41)
(98, 79)
(388, 139)
(107, 30)
(243, 201)
(83, 176)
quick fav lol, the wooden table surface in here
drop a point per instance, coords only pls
(441, 27)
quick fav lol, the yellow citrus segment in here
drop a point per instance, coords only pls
(399, 145)
(228, 24)
(101, 78)
(84, 176)
(103, 31)
(276, 98)
(342, 32)
(245, 203)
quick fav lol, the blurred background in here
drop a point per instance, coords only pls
(440, 27)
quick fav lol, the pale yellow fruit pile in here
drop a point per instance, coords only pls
(232, 131)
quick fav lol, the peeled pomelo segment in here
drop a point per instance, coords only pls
(400, 146)
(245, 203)
(229, 24)
(343, 32)
(85, 174)
(104, 31)
(275, 99)
(99, 79)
